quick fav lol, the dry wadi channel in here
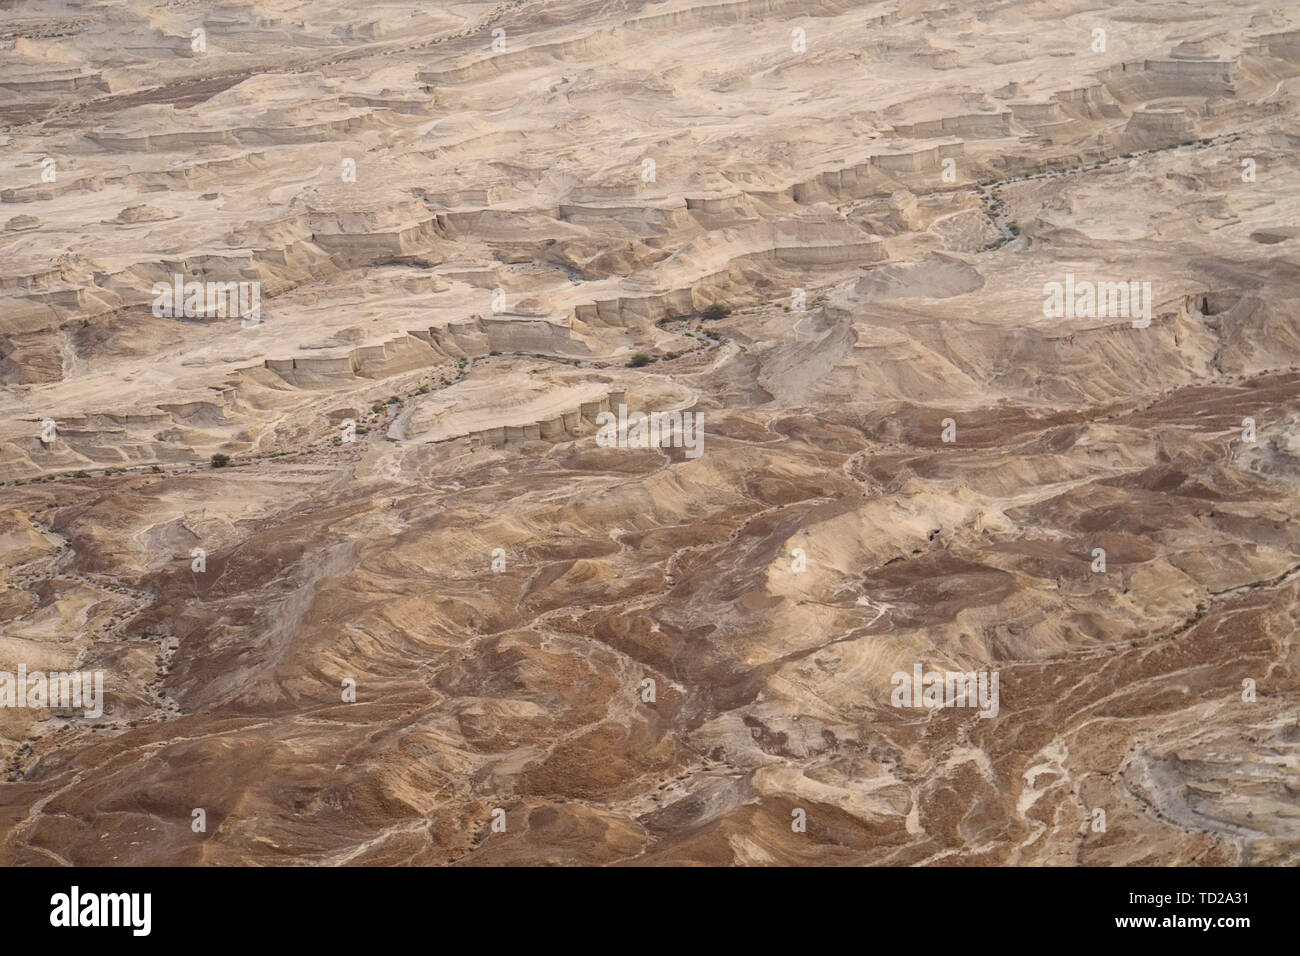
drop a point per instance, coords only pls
(425, 613)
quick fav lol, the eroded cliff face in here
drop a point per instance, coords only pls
(1008, 390)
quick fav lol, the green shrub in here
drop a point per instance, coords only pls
(220, 461)
(715, 312)
(639, 360)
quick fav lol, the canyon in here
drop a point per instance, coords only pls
(431, 599)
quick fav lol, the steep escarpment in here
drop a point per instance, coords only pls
(556, 434)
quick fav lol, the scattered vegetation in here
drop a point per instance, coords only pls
(715, 312)
(640, 360)
(220, 461)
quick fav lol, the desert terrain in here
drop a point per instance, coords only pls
(425, 614)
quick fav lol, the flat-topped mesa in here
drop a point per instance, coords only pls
(657, 214)
(48, 305)
(731, 203)
(43, 192)
(676, 303)
(395, 356)
(1037, 114)
(446, 337)
(502, 227)
(496, 412)
(184, 131)
(479, 336)
(30, 75)
(967, 126)
(1282, 46)
(1168, 122)
(466, 198)
(94, 440)
(1206, 49)
(876, 175)
(1091, 102)
(24, 272)
(721, 267)
(1222, 73)
(563, 427)
(1050, 120)
(358, 224)
(1193, 68)
(810, 242)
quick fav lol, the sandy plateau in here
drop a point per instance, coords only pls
(476, 227)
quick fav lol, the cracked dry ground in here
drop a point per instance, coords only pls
(521, 689)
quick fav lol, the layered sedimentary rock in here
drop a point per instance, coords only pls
(431, 610)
